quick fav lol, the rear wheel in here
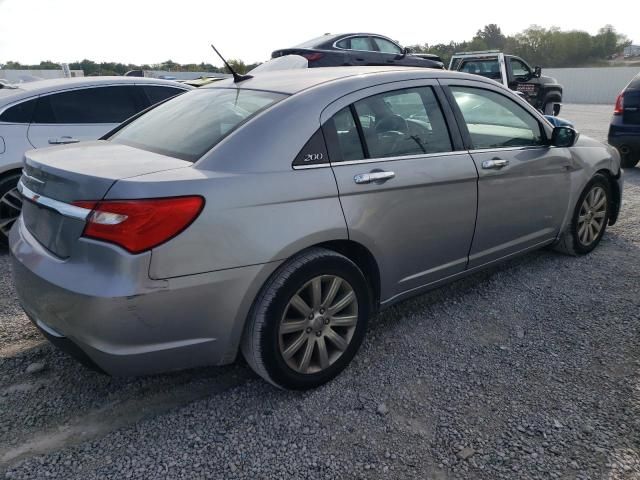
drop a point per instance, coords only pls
(309, 320)
(628, 157)
(589, 220)
(10, 205)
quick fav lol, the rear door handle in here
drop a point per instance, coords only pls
(495, 164)
(62, 140)
(373, 177)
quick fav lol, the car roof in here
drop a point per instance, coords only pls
(314, 42)
(39, 87)
(296, 80)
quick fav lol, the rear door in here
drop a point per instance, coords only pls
(82, 114)
(524, 184)
(407, 190)
(360, 50)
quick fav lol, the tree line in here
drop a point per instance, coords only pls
(548, 47)
(91, 68)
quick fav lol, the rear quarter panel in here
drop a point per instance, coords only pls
(248, 219)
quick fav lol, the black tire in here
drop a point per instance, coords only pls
(260, 344)
(570, 242)
(627, 159)
(7, 183)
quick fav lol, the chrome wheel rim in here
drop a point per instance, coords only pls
(318, 324)
(10, 207)
(593, 212)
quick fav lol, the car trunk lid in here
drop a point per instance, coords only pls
(55, 178)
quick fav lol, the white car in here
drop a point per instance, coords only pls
(61, 111)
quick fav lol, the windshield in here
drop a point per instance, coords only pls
(189, 125)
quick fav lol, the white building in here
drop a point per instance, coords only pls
(632, 51)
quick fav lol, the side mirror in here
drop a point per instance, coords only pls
(564, 136)
(537, 72)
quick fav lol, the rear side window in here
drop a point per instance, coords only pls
(356, 43)
(495, 121)
(20, 113)
(189, 125)
(485, 68)
(88, 105)
(343, 137)
(391, 124)
(157, 94)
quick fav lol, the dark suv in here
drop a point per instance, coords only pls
(624, 131)
(350, 49)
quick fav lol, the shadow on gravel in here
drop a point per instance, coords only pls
(82, 405)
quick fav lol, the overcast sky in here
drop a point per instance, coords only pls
(146, 31)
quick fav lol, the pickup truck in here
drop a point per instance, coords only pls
(544, 93)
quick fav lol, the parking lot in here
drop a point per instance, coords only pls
(527, 370)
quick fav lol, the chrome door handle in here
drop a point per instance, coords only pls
(373, 177)
(495, 164)
(62, 140)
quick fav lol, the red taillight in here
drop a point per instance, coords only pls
(619, 108)
(140, 225)
(312, 57)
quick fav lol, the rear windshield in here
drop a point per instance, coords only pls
(189, 125)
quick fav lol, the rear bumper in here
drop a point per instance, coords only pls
(622, 135)
(126, 327)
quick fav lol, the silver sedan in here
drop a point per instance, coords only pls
(276, 215)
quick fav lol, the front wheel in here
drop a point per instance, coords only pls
(589, 220)
(10, 205)
(309, 320)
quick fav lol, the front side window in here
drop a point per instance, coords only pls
(495, 121)
(385, 46)
(398, 123)
(88, 105)
(189, 125)
(519, 69)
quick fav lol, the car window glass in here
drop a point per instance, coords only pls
(189, 125)
(344, 43)
(519, 69)
(360, 43)
(159, 93)
(20, 113)
(486, 68)
(403, 122)
(88, 105)
(347, 141)
(495, 121)
(385, 46)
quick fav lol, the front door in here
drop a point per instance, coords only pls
(524, 184)
(408, 194)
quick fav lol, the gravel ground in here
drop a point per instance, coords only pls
(528, 370)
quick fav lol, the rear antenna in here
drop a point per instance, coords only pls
(237, 78)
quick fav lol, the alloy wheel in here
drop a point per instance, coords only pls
(318, 324)
(592, 216)
(10, 207)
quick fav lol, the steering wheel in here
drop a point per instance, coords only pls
(392, 123)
